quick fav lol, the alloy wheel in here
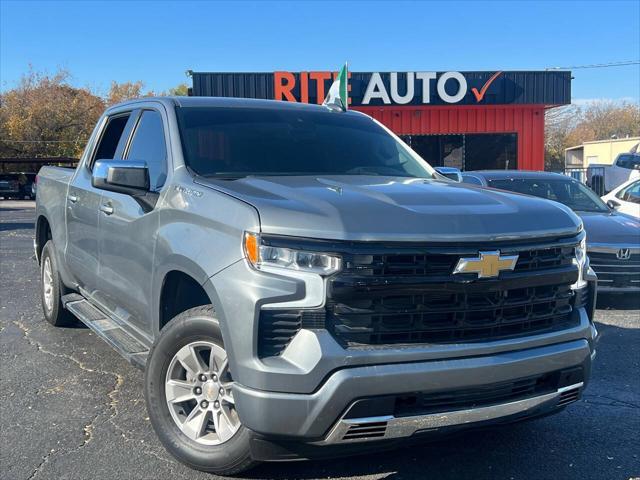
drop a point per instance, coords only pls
(199, 393)
(47, 284)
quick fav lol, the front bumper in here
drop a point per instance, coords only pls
(317, 417)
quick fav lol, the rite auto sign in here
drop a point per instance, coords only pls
(388, 88)
(415, 88)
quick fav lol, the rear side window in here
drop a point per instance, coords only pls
(148, 145)
(110, 138)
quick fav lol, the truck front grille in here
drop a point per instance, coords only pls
(447, 317)
(615, 272)
(408, 295)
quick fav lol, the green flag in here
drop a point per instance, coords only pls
(337, 96)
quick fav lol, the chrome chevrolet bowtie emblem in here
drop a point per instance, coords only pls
(487, 264)
(623, 254)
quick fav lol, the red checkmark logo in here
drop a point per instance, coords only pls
(480, 94)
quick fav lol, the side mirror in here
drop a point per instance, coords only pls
(122, 176)
(612, 204)
(450, 172)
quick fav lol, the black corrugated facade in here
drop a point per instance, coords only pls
(510, 88)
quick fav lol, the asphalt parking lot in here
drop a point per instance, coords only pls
(70, 407)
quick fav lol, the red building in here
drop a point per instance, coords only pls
(469, 120)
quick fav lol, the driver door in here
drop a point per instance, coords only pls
(128, 229)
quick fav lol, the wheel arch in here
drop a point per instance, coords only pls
(42, 235)
(180, 285)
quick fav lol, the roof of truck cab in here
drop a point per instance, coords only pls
(514, 174)
(227, 102)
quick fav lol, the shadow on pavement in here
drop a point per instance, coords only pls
(437, 458)
(7, 227)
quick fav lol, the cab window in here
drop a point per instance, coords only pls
(111, 138)
(148, 145)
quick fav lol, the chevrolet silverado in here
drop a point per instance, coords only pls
(297, 282)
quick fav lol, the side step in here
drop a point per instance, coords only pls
(110, 330)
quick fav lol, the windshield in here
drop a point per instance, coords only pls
(573, 194)
(236, 142)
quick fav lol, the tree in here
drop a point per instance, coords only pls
(46, 116)
(573, 125)
(603, 120)
(119, 92)
(559, 122)
(181, 90)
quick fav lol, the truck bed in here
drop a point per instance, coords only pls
(53, 184)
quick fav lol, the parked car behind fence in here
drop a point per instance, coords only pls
(592, 177)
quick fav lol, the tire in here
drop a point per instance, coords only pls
(52, 289)
(197, 326)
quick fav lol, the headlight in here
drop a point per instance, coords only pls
(580, 260)
(260, 256)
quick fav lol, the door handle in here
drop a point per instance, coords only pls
(106, 209)
(72, 198)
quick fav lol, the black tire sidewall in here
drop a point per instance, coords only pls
(57, 316)
(193, 325)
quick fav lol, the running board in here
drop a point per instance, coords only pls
(110, 330)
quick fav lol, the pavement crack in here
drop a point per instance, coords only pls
(44, 460)
(25, 332)
(110, 406)
(613, 402)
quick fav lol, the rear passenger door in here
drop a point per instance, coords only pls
(83, 201)
(129, 230)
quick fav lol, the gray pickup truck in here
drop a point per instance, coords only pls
(296, 282)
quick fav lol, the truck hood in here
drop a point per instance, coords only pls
(348, 207)
(611, 228)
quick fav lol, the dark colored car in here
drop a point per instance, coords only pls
(613, 238)
(26, 186)
(9, 185)
(17, 185)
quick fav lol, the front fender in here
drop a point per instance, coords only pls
(200, 234)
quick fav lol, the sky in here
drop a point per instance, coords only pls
(157, 42)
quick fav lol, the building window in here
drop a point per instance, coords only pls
(468, 151)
